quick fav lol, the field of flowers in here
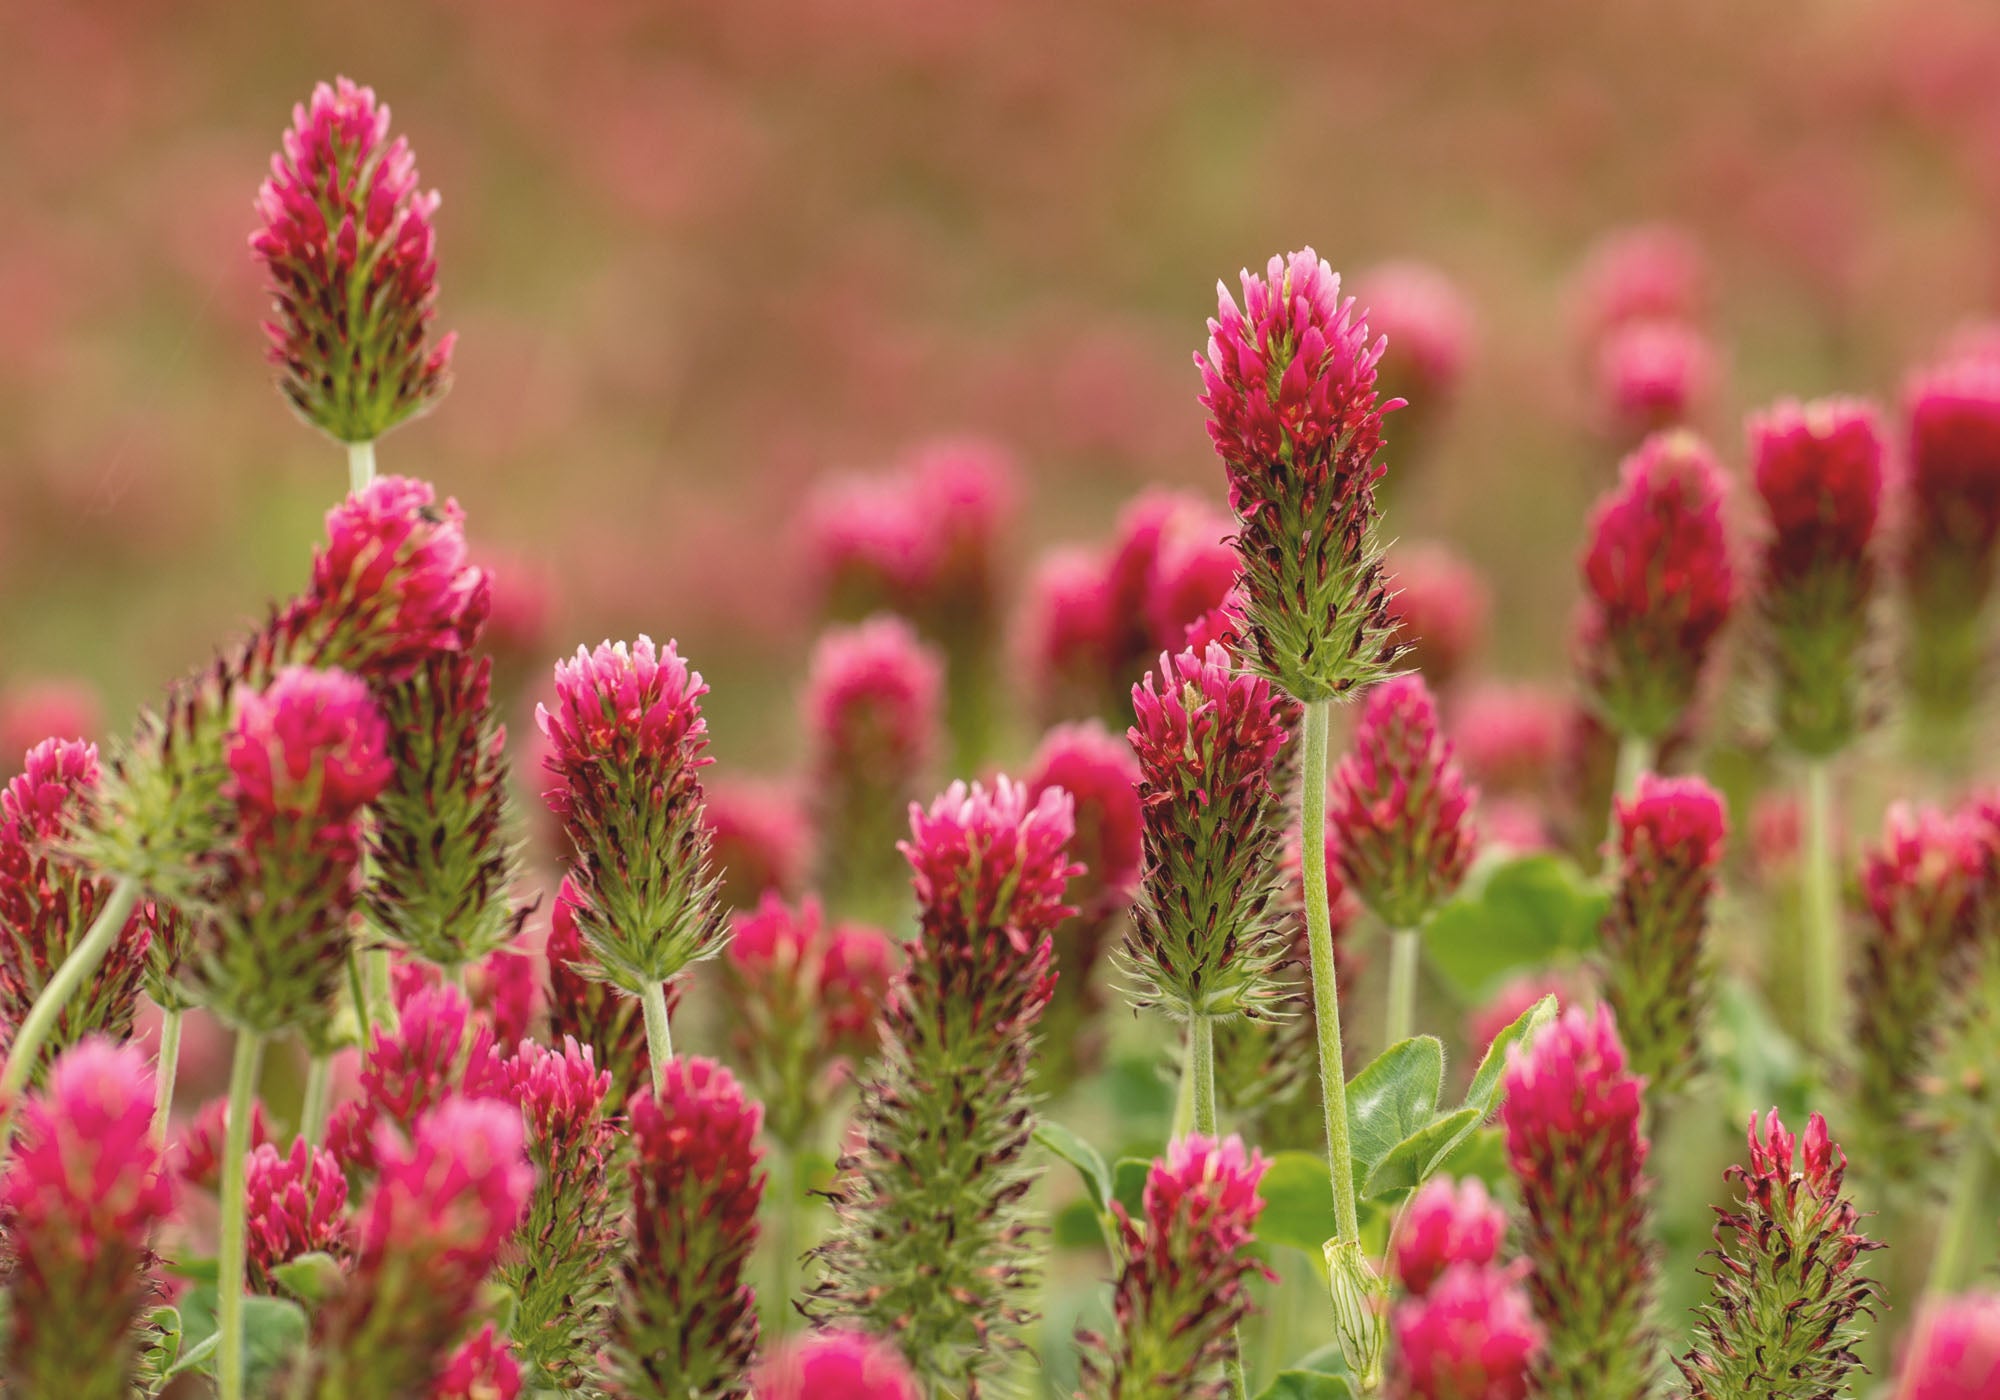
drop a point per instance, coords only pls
(1417, 824)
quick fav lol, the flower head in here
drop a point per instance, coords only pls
(1571, 1115)
(1509, 737)
(1440, 605)
(1447, 1222)
(297, 1205)
(1670, 835)
(1819, 469)
(1209, 737)
(1289, 385)
(1401, 807)
(1788, 1280)
(1653, 375)
(65, 707)
(1658, 585)
(443, 1208)
(82, 1195)
(835, 1365)
(1182, 1292)
(437, 1050)
(346, 238)
(1427, 323)
(310, 749)
(627, 746)
(687, 1321)
(1471, 1336)
(1648, 272)
(991, 861)
(393, 584)
(761, 838)
(1954, 1351)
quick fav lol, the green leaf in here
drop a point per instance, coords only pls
(1482, 1154)
(1409, 1163)
(1077, 1226)
(1307, 1385)
(1088, 1162)
(1391, 1098)
(1128, 1183)
(1760, 1065)
(273, 1330)
(311, 1278)
(1298, 1202)
(1524, 912)
(1485, 1090)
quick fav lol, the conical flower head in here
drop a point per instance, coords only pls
(762, 839)
(437, 1050)
(1951, 534)
(1447, 1222)
(1670, 836)
(304, 756)
(836, 1365)
(1571, 1115)
(297, 1204)
(932, 1248)
(1789, 1287)
(346, 238)
(627, 746)
(1819, 470)
(1954, 1351)
(1183, 1290)
(801, 994)
(560, 1263)
(48, 901)
(1926, 889)
(82, 1195)
(443, 1208)
(1289, 385)
(1205, 934)
(1471, 1336)
(1402, 808)
(873, 727)
(1658, 585)
(687, 1320)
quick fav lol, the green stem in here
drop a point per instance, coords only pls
(1405, 952)
(784, 1238)
(1183, 1123)
(379, 988)
(1635, 757)
(1825, 970)
(1965, 1216)
(230, 1256)
(312, 1103)
(360, 464)
(76, 969)
(166, 1072)
(659, 1039)
(1326, 988)
(359, 995)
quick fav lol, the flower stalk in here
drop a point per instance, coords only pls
(229, 1264)
(1825, 948)
(76, 970)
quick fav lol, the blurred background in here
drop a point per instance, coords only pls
(702, 257)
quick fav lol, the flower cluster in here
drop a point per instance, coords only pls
(930, 1248)
(81, 1197)
(296, 1205)
(1819, 469)
(627, 746)
(1670, 835)
(346, 238)
(1401, 808)
(1954, 1353)
(1183, 1291)
(1471, 1335)
(1577, 1153)
(1789, 1286)
(1658, 586)
(836, 1365)
(1289, 385)
(686, 1322)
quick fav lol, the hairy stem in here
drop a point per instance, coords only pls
(312, 1103)
(76, 969)
(1325, 984)
(1405, 952)
(1825, 966)
(360, 464)
(659, 1039)
(166, 1072)
(230, 1255)
(1635, 757)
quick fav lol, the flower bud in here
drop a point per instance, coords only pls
(1472, 1336)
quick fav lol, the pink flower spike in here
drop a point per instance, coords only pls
(1401, 807)
(1447, 1222)
(992, 859)
(1658, 585)
(835, 1365)
(310, 748)
(1654, 375)
(1648, 272)
(1472, 1336)
(346, 238)
(1440, 606)
(1954, 1351)
(761, 838)
(297, 1205)
(30, 710)
(1509, 737)
(1100, 773)
(82, 1195)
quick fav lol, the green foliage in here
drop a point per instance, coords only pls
(1514, 914)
